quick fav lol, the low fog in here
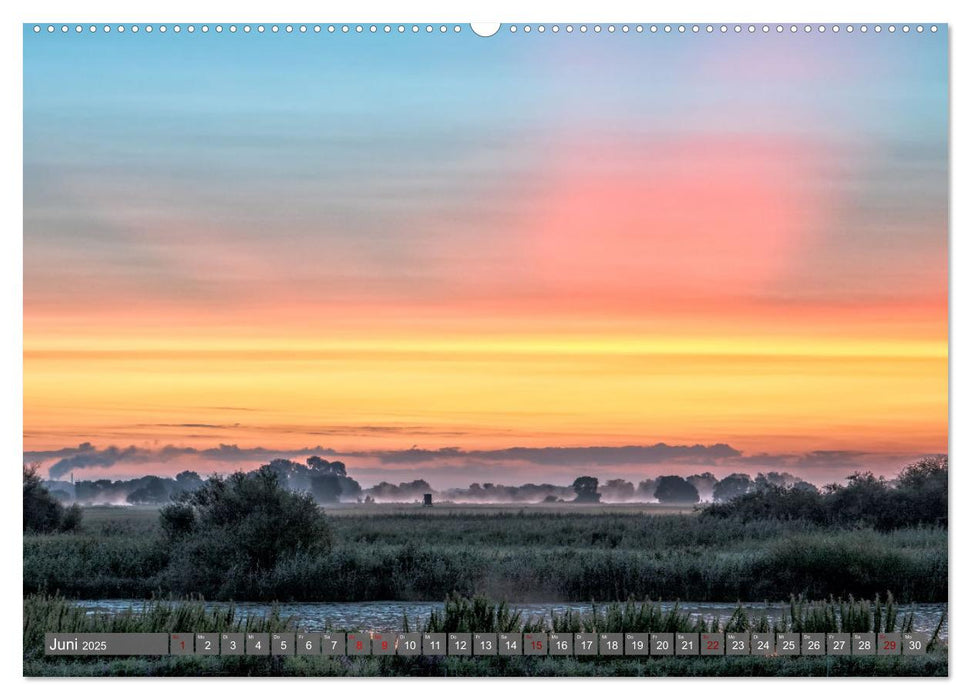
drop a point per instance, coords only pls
(329, 483)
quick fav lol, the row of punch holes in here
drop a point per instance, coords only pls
(486, 31)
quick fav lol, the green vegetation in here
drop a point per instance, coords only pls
(42, 512)
(931, 664)
(230, 533)
(674, 489)
(43, 614)
(248, 537)
(555, 553)
(586, 489)
(480, 614)
(327, 481)
(918, 496)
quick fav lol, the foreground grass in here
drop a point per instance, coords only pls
(45, 614)
(932, 664)
(562, 554)
(481, 614)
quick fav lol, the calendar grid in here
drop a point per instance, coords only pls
(560, 644)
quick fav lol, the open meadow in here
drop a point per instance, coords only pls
(519, 553)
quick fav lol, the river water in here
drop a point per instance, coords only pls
(389, 615)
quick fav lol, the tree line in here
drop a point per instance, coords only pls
(916, 496)
(674, 489)
(327, 482)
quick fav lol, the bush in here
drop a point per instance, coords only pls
(233, 531)
(71, 521)
(772, 502)
(918, 496)
(42, 512)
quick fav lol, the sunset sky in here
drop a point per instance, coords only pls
(416, 253)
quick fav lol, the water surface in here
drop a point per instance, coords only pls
(388, 615)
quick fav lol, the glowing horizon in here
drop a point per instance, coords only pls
(377, 242)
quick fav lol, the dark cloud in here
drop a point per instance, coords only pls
(87, 456)
(208, 426)
(454, 463)
(338, 430)
(831, 457)
(816, 459)
(764, 459)
(571, 456)
(45, 455)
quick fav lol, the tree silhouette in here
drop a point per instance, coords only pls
(586, 489)
(326, 488)
(732, 486)
(674, 489)
(42, 513)
(618, 490)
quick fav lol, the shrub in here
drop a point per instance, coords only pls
(772, 502)
(71, 521)
(42, 512)
(918, 496)
(236, 529)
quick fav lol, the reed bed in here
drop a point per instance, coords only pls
(546, 556)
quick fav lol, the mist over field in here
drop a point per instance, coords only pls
(497, 476)
(329, 482)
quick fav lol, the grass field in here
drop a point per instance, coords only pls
(557, 552)
(933, 664)
(42, 614)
